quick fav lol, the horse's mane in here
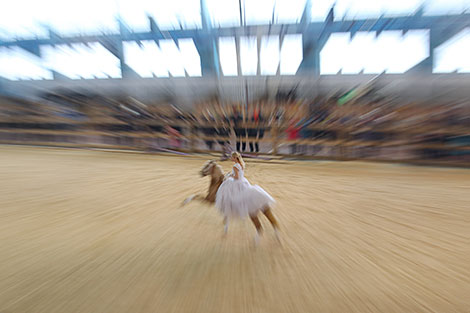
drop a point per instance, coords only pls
(218, 171)
(217, 178)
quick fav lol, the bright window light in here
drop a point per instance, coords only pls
(358, 8)
(398, 53)
(259, 11)
(134, 14)
(291, 54)
(17, 64)
(137, 58)
(172, 57)
(359, 53)
(22, 19)
(79, 61)
(443, 7)
(153, 59)
(453, 54)
(80, 67)
(169, 14)
(269, 55)
(224, 13)
(190, 57)
(332, 56)
(363, 8)
(55, 58)
(81, 17)
(248, 55)
(320, 9)
(390, 52)
(414, 49)
(228, 56)
(386, 47)
(396, 7)
(107, 63)
(372, 60)
(289, 11)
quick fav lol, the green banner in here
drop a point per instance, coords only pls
(348, 96)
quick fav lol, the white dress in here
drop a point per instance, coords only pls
(238, 198)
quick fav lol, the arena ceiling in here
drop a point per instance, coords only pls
(149, 46)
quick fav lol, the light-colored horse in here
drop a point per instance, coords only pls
(214, 170)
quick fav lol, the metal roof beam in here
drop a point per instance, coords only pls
(385, 23)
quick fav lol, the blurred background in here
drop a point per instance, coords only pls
(144, 92)
(346, 79)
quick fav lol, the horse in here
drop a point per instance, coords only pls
(214, 170)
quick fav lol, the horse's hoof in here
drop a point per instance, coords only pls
(257, 239)
(277, 235)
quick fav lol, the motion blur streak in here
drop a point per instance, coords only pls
(89, 231)
(119, 120)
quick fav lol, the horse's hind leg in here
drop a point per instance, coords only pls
(259, 228)
(225, 225)
(269, 214)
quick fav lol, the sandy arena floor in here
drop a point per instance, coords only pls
(89, 231)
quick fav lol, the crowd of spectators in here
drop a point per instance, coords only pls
(295, 127)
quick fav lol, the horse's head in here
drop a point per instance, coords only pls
(211, 168)
(208, 168)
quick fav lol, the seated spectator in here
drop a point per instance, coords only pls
(292, 135)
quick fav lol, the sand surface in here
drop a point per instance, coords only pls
(89, 231)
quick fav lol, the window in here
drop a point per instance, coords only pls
(134, 14)
(358, 9)
(289, 11)
(320, 9)
(291, 54)
(228, 56)
(453, 54)
(16, 64)
(171, 55)
(81, 61)
(332, 56)
(269, 55)
(390, 52)
(153, 60)
(224, 13)
(22, 19)
(248, 55)
(443, 7)
(81, 17)
(258, 11)
(360, 54)
(137, 58)
(190, 57)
